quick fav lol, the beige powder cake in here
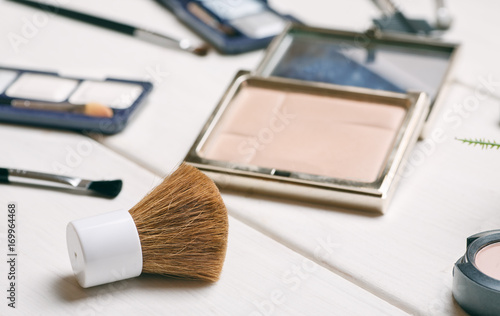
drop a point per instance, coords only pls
(307, 133)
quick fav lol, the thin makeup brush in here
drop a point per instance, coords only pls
(179, 229)
(137, 32)
(109, 188)
(90, 109)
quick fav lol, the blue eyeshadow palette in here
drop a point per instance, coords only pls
(47, 99)
(231, 26)
(372, 60)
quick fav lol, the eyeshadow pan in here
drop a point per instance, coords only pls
(6, 77)
(488, 260)
(476, 275)
(229, 11)
(117, 95)
(260, 25)
(306, 133)
(41, 87)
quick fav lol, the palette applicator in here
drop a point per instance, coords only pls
(90, 109)
(179, 229)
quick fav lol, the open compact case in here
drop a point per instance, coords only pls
(50, 100)
(232, 27)
(328, 117)
(374, 60)
(308, 141)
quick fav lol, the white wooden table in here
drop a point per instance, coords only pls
(284, 258)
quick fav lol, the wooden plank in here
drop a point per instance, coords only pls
(406, 256)
(260, 276)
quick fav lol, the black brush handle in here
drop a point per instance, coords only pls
(94, 20)
(4, 175)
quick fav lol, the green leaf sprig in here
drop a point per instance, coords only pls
(483, 143)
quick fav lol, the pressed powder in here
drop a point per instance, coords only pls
(488, 260)
(118, 95)
(307, 133)
(41, 87)
(373, 60)
(342, 146)
(6, 78)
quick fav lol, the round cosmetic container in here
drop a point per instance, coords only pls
(476, 275)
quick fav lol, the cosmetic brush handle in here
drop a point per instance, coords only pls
(49, 106)
(160, 39)
(443, 15)
(149, 36)
(32, 177)
(4, 175)
(107, 188)
(93, 109)
(42, 105)
(116, 26)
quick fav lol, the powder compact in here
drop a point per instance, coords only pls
(48, 99)
(310, 141)
(476, 275)
(328, 117)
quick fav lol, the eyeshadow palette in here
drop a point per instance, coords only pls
(310, 141)
(232, 27)
(250, 17)
(397, 63)
(49, 100)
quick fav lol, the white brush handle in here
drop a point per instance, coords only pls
(162, 40)
(443, 15)
(104, 248)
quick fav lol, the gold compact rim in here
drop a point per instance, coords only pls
(232, 175)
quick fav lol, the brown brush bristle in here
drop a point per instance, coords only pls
(202, 50)
(183, 226)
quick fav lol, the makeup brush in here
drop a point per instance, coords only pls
(179, 229)
(90, 109)
(444, 18)
(146, 35)
(109, 188)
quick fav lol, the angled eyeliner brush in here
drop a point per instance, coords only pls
(105, 188)
(146, 35)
